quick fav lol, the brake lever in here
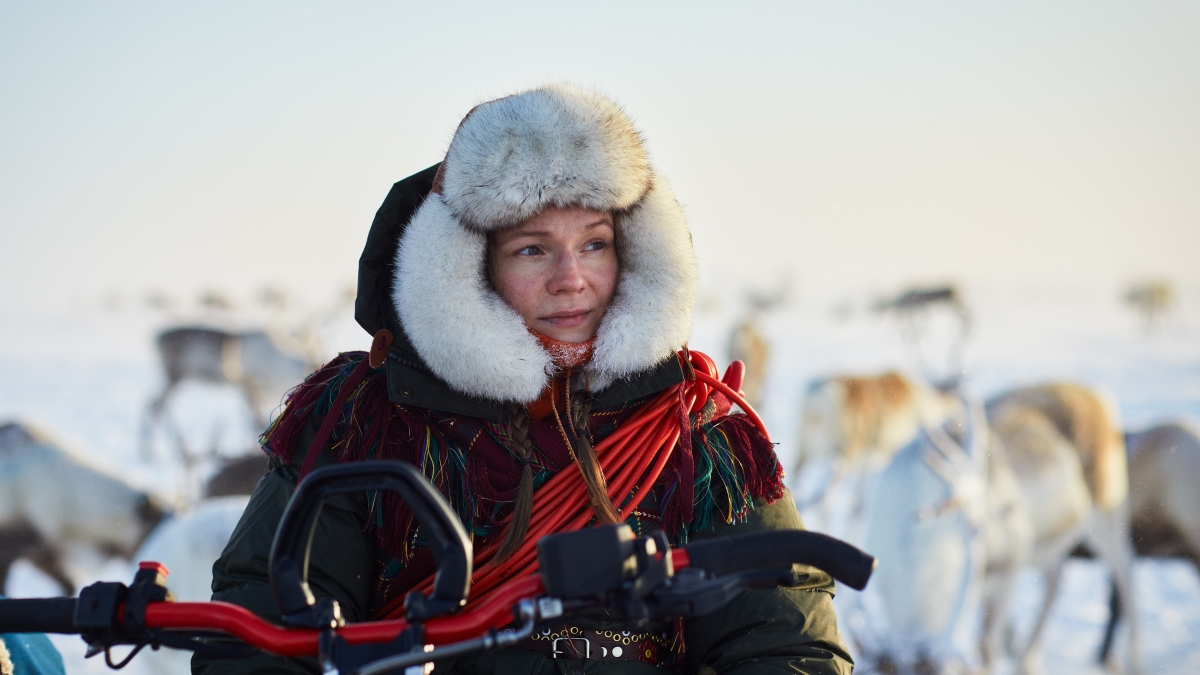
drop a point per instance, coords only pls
(692, 592)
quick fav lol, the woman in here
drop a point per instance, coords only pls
(538, 284)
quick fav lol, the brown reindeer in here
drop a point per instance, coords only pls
(1087, 421)
(1164, 477)
(238, 476)
(1066, 448)
(1152, 300)
(1164, 472)
(858, 417)
(747, 344)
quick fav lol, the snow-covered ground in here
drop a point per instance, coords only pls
(87, 375)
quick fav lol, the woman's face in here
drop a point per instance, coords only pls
(558, 270)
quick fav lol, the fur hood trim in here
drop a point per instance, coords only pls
(461, 328)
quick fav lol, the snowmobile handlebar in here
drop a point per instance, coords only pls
(781, 549)
(449, 543)
(37, 615)
(638, 578)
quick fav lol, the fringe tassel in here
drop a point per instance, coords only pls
(311, 397)
(734, 467)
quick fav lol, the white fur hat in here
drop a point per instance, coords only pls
(511, 158)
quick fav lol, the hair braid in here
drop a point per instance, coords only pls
(589, 465)
(518, 524)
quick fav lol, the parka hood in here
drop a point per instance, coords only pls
(509, 159)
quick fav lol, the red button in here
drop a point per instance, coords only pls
(152, 565)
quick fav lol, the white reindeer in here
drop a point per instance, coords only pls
(926, 524)
(188, 545)
(249, 360)
(52, 500)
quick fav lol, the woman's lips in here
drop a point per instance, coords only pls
(567, 319)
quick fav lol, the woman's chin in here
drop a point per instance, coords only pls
(574, 334)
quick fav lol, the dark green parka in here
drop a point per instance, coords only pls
(775, 631)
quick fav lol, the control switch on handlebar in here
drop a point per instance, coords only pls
(587, 563)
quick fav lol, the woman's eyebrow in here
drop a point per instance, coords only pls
(523, 233)
(543, 233)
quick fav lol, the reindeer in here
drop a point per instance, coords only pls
(856, 424)
(859, 419)
(925, 523)
(52, 500)
(248, 360)
(1152, 300)
(188, 545)
(238, 476)
(915, 311)
(1164, 470)
(1064, 445)
(260, 363)
(970, 502)
(747, 343)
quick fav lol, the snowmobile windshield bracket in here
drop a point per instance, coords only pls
(449, 544)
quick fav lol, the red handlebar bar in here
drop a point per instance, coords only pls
(236, 621)
(243, 624)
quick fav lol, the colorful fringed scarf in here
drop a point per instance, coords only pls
(472, 462)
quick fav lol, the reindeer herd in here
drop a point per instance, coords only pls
(956, 496)
(57, 504)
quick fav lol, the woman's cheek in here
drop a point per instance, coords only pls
(528, 291)
(513, 284)
(604, 279)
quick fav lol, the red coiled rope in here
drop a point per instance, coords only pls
(632, 457)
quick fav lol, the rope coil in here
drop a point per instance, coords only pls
(632, 457)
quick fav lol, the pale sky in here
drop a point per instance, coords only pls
(157, 145)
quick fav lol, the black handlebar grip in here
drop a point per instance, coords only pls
(451, 548)
(38, 615)
(778, 549)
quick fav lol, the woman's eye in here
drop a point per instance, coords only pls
(597, 245)
(528, 250)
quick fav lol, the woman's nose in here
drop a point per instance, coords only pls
(568, 275)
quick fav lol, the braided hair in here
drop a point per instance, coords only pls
(585, 458)
(580, 446)
(518, 524)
